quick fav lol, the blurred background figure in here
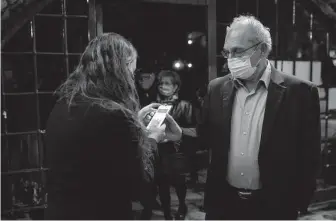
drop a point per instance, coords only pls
(145, 82)
(146, 87)
(175, 162)
(197, 103)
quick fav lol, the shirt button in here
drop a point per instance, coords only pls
(242, 154)
(244, 133)
(242, 174)
(247, 113)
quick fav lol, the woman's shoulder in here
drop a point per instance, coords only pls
(112, 111)
(88, 110)
(107, 114)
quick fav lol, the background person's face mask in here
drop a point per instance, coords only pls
(166, 87)
(167, 90)
(241, 68)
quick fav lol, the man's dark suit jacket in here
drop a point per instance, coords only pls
(290, 143)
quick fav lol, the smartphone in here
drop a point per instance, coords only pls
(159, 116)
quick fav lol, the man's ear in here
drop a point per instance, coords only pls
(175, 88)
(263, 49)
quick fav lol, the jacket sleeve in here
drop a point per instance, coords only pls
(188, 119)
(150, 159)
(187, 122)
(309, 156)
(141, 161)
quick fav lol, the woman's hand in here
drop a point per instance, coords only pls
(173, 130)
(157, 133)
(151, 108)
(169, 131)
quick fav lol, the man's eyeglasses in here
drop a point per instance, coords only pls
(237, 53)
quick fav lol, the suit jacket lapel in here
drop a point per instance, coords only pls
(275, 95)
(228, 92)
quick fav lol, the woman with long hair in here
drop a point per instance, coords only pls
(99, 154)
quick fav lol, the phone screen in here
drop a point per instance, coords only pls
(159, 116)
(165, 111)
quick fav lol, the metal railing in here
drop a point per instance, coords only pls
(38, 131)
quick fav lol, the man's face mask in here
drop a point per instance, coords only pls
(241, 67)
(146, 80)
(166, 87)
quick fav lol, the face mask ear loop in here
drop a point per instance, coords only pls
(259, 58)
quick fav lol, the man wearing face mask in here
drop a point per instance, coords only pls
(263, 131)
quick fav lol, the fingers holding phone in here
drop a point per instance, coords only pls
(159, 116)
(146, 110)
(158, 133)
(148, 118)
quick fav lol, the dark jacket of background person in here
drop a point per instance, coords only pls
(175, 159)
(290, 144)
(147, 97)
(183, 114)
(99, 183)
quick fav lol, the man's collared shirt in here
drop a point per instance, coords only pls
(246, 127)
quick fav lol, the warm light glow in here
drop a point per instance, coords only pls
(178, 65)
(190, 42)
(189, 65)
(31, 29)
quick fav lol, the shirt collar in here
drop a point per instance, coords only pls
(265, 78)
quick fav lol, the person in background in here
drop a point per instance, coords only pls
(146, 87)
(173, 154)
(197, 103)
(99, 154)
(262, 127)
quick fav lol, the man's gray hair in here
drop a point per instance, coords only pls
(261, 32)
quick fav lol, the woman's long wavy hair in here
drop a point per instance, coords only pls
(103, 74)
(103, 77)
